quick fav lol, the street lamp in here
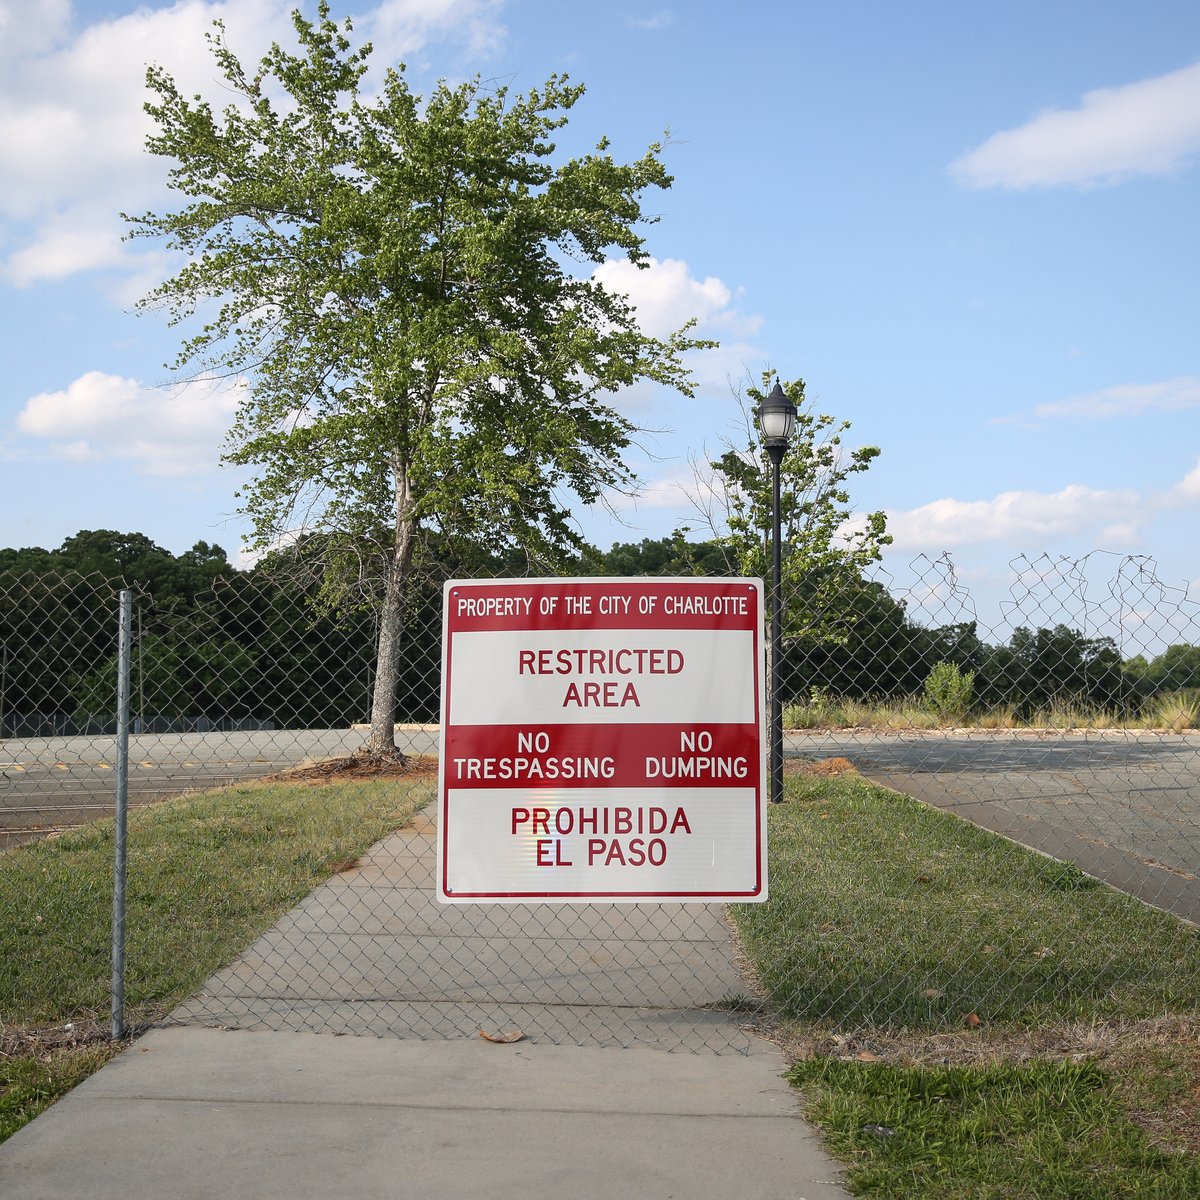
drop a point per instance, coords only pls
(777, 419)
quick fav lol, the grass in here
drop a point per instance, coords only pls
(31, 1082)
(1173, 713)
(207, 874)
(1177, 711)
(969, 1019)
(1001, 1131)
(972, 1019)
(883, 909)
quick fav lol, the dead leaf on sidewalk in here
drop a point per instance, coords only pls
(509, 1035)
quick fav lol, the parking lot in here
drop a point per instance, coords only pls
(47, 784)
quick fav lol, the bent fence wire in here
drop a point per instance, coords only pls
(1064, 722)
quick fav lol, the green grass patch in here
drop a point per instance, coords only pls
(887, 912)
(31, 1083)
(1026, 1031)
(999, 1132)
(207, 874)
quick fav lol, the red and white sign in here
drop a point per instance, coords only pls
(602, 740)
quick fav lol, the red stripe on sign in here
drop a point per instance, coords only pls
(606, 604)
(590, 756)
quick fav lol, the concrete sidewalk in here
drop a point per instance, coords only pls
(593, 1103)
(372, 952)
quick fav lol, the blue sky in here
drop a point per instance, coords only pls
(971, 228)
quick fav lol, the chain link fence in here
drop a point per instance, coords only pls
(1004, 765)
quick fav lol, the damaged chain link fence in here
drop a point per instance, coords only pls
(1064, 721)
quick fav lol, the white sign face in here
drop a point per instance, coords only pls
(602, 740)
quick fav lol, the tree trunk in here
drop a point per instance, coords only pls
(382, 741)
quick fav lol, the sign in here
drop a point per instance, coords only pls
(602, 740)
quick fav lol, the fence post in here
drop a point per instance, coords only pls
(124, 640)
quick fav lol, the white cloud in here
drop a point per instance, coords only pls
(246, 560)
(670, 491)
(666, 294)
(165, 431)
(72, 126)
(1114, 517)
(27, 29)
(1151, 127)
(63, 246)
(1187, 491)
(72, 116)
(663, 19)
(1017, 517)
(398, 28)
(1123, 400)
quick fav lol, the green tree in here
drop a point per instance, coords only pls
(191, 678)
(826, 546)
(405, 287)
(1060, 665)
(1176, 668)
(135, 558)
(58, 611)
(878, 652)
(673, 555)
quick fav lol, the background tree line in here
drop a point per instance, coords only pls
(268, 646)
(212, 645)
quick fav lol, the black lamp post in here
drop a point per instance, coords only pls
(777, 419)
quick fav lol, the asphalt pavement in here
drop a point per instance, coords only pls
(665, 1095)
(49, 784)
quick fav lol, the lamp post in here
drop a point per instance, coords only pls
(777, 419)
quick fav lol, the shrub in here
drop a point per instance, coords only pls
(949, 692)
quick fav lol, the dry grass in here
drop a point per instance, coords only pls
(984, 1045)
(1169, 714)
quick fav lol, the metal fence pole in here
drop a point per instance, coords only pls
(124, 646)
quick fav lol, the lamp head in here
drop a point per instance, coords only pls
(777, 418)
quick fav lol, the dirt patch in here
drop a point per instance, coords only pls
(18, 1041)
(360, 767)
(1160, 1085)
(1115, 1042)
(819, 766)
